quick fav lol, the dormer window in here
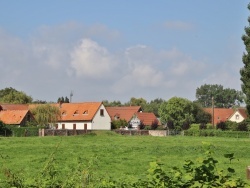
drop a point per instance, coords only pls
(85, 112)
(64, 113)
(76, 113)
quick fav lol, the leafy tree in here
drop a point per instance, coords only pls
(66, 100)
(221, 125)
(155, 124)
(245, 71)
(177, 110)
(4, 131)
(200, 115)
(46, 114)
(10, 95)
(137, 102)
(223, 98)
(109, 104)
(116, 124)
(153, 106)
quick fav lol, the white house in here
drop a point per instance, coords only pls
(239, 115)
(86, 115)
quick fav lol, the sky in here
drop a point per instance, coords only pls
(114, 50)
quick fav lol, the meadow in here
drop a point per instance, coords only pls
(107, 154)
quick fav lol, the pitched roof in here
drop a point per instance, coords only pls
(220, 114)
(146, 117)
(78, 111)
(243, 112)
(123, 112)
(13, 117)
(14, 106)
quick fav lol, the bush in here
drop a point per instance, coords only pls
(203, 126)
(154, 124)
(222, 125)
(4, 130)
(242, 126)
(25, 131)
(116, 124)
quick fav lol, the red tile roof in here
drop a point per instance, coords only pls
(123, 112)
(13, 117)
(147, 118)
(14, 106)
(243, 112)
(78, 111)
(220, 114)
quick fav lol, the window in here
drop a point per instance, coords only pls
(76, 113)
(63, 126)
(101, 112)
(237, 116)
(74, 126)
(85, 112)
(64, 113)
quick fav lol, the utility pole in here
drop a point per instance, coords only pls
(71, 95)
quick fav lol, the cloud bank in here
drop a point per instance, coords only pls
(54, 61)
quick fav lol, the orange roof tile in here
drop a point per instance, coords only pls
(123, 112)
(78, 111)
(13, 117)
(14, 106)
(147, 118)
(220, 114)
(243, 112)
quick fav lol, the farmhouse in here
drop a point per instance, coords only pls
(15, 114)
(123, 112)
(142, 117)
(86, 115)
(227, 114)
(132, 114)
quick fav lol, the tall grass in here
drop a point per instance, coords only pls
(114, 155)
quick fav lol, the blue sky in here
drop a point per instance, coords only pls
(115, 50)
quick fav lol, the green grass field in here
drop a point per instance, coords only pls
(115, 156)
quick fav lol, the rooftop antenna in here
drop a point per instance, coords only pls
(71, 95)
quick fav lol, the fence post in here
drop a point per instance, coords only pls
(248, 172)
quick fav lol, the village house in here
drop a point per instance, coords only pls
(86, 115)
(132, 114)
(227, 114)
(15, 114)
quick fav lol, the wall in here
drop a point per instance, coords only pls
(158, 132)
(101, 122)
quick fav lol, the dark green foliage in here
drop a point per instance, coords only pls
(141, 125)
(12, 96)
(154, 124)
(200, 115)
(121, 123)
(203, 126)
(24, 131)
(222, 125)
(4, 130)
(245, 71)
(242, 126)
(223, 98)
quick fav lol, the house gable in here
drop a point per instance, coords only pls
(15, 117)
(123, 112)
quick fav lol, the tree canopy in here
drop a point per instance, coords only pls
(245, 71)
(223, 98)
(10, 95)
(177, 110)
(46, 114)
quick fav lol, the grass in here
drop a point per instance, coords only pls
(114, 155)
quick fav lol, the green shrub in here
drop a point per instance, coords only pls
(24, 131)
(4, 130)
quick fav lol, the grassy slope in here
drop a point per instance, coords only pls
(115, 155)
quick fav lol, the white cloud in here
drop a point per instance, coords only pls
(90, 59)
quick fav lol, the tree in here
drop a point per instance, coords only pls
(245, 71)
(10, 95)
(137, 102)
(153, 106)
(46, 114)
(200, 115)
(223, 98)
(177, 110)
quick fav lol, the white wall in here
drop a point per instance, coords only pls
(79, 125)
(101, 122)
(237, 117)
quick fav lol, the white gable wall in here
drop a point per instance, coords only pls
(70, 125)
(101, 122)
(236, 117)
